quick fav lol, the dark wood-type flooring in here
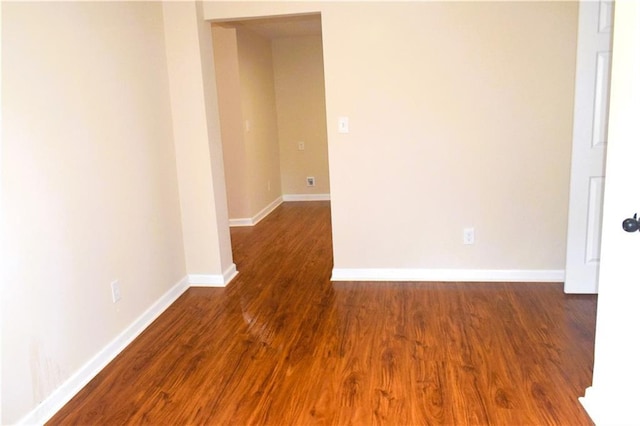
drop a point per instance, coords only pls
(282, 345)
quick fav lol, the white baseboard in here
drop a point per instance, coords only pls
(472, 275)
(229, 274)
(306, 197)
(54, 402)
(241, 222)
(251, 221)
(211, 280)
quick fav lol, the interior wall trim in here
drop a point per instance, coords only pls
(306, 197)
(251, 221)
(213, 280)
(470, 275)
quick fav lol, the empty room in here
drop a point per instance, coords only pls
(287, 213)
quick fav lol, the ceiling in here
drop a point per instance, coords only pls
(280, 27)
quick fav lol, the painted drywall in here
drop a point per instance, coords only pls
(259, 113)
(271, 96)
(212, 113)
(229, 10)
(248, 121)
(244, 74)
(89, 187)
(225, 49)
(460, 116)
(299, 85)
(197, 140)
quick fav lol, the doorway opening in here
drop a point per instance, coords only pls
(271, 95)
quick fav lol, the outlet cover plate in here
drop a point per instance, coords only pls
(115, 291)
(468, 236)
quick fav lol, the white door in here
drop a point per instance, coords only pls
(590, 119)
(613, 397)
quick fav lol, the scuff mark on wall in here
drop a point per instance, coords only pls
(46, 374)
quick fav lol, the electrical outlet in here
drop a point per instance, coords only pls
(468, 236)
(115, 291)
(343, 124)
(301, 146)
(311, 181)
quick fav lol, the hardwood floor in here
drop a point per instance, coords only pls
(282, 345)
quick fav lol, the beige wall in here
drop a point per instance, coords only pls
(111, 169)
(259, 111)
(197, 141)
(271, 96)
(299, 85)
(206, 72)
(248, 119)
(460, 116)
(225, 48)
(89, 186)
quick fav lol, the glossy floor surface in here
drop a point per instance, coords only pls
(283, 345)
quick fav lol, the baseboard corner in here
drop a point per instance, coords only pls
(252, 221)
(229, 274)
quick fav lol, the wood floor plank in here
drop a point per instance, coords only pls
(282, 345)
